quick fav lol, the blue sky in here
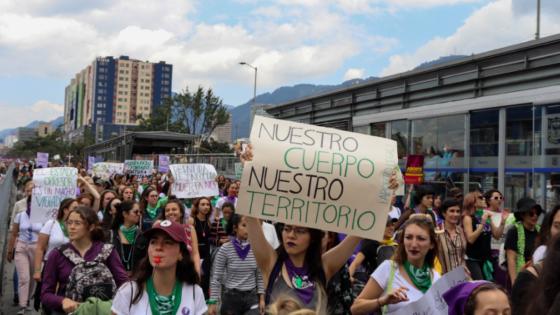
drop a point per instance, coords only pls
(43, 43)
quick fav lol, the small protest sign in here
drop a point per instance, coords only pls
(105, 170)
(163, 165)
(42, 160)
(194, 180)
(414, 173)
(238, 170)
(51, 186)
(91, 162)
(432, 302)
(139, 167)
(318, 177)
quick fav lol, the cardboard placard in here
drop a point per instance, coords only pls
(414, 173)
(163, 165)
(139, 167)
(105, 170)
(318, 177)
(51, 186)
(194, 180)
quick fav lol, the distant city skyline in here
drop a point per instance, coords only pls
(43, 44)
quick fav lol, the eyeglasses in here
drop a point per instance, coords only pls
(533, 214)
(296, 230)
(498, 198)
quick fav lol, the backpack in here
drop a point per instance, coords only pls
(90, 278)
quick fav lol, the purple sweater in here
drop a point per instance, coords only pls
(58, 268)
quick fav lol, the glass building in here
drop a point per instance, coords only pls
(486, 121)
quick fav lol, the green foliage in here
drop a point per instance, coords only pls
(197, 113)
(211, 146)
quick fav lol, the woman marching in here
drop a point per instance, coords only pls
(200, 219)
(60, 290)
(126, 235)
(451, 239)
(175, 211)
(166, 282)
(406, 277)
(53, 234)
(237, 283)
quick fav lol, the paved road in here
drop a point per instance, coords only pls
(6, 302)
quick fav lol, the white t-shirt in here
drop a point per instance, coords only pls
(28, 232)
(56, 236)
(381, 276)
(192, 304)
(270, 234)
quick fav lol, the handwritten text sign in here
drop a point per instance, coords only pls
(139, 167)
(51, 186)
(105, 170)
(318, 177)
(163, 165)
(432, 303)
(194, 180)
(42, 159)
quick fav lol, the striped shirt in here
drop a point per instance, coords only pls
(233, 273)
(451, 251)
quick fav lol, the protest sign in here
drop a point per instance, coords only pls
(42, 159)
(163, 165)
(238, 170)
(105, 170)
(139, 167)
(414, 173)
(51, 186)
(318, 177)
(91, 162)
(194, 180)
(432, 302)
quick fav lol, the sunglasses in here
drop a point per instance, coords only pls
(533, 213)
(498, 198)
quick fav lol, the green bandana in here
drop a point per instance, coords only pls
(164, 305)
(152, 212)
(421, 277)
(129, 233)
(63, 228)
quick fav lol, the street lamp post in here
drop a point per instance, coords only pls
(538, 33)
(243, 63)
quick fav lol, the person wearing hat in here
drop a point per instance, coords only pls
(520, 239)
(477, 297)
(166, 280)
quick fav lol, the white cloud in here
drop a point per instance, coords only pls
(41, 110)
(494, 25)
(354, 73)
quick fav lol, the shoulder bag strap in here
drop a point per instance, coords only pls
(390, 284)
(271, 279)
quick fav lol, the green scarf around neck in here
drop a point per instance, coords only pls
(129, 233)
(164, 305)
(421, 277)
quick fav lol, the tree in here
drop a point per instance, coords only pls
(197, 113)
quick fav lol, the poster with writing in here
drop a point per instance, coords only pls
(42, 159)
(194, 180)
(414, 173)
(432, 303)
(238, 170)
(163, 165)
(318, 177)
(51, 186)
(91, 162)
(139, 167)
(105, 170)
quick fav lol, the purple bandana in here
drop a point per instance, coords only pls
(242, 248)
(231, 199)
(300, 281)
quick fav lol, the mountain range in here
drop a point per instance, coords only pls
(241, 115)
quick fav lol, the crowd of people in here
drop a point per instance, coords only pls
(127, 245)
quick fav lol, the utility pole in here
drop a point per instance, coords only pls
(538, 33)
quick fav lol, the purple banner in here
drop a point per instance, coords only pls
(91, 161)
(163, 165)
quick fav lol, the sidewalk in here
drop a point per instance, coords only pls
(6, 301)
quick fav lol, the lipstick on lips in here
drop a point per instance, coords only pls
(157, 260)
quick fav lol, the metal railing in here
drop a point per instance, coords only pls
(7, 200)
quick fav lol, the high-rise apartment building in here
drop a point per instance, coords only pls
(113, 93)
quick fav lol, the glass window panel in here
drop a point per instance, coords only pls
(399, 133)
(484, 131)
(378, 129)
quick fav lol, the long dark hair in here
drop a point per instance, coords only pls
(544, 235)
(424, 222)
(87, 214)
(185, 271)
(144, 197)
(64, 204)
(194, 210)
(123, 207)
(313, 257)
(547, 287)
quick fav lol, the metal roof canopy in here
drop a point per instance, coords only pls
(530, 65)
